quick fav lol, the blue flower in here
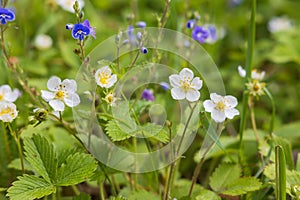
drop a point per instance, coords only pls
(79, 31)
(6, 15)
(144, 50)
(92, 31)
(141, 24)
(165, 85)
(148, 95)
(200, 34)
(191, 23)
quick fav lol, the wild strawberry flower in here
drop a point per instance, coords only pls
(104, 77)
(6, 15)
(8, 95)
(68, 4)
(254, 73)
(185, 86)
(8, 112)
(61, 93)
(110, 99)
(148, 95)
(221, 107)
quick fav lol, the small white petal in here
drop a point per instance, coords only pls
(5, 89)
(241, 71)
(111, 81)
(177, 93)
(209, 105)
(197, 83)
(47, 96)
(215, 97)
(72, 100)
(230, 101)
(105, 69)
(53, 82)
(186, 72)
(193, 95)
(174, 80)
(70, 85)
(230, 113)
(12, 96)
(57, 105)
(218, 116)
(257, 75)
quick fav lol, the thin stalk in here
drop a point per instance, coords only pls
(199, 165)
(75, 189)
(102, 195)
(173, 165)
(81, 43)
(273, 110)
(280, 173)
(252, 114)
(17, 139)
(249, 58)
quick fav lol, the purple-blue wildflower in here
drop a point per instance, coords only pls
(92, 30)
(141, 24)
(144, 50)
(148, 95)
(165, 85)
(191, 23)
(79, 31)
(6, 15)
(200, 34)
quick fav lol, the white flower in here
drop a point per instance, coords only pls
(221, 107)
(61, 93)
(277, 24)
(68, 4)
(185, 85)
(7, 95)
(8, 112)
(43, 42)
(254, 73)
(104, 78)
(111, 99)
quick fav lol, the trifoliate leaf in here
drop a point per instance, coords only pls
(114, 131)
(41, 156)
(242, 186)
(76, 169)
(30, 187)
(224, 175)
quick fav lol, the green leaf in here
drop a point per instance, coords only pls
(30, 187)
(144, 195)
(153, 131)
(181, 188)
(269, 171)
(16, 164)
(67, 53)
(224, 175)
(207, 194)
(242, 186)
(41, 156)
(76, 169)
(287, 148)
(114, 131)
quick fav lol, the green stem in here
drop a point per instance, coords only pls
(82, 50)
(280, 173)
(249, 58)
(75, 189)
(273, 110)
(101, 191)
(253, 122)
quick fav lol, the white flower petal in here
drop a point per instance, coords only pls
(70, 85)
(5, 89)
(111, 81)
(197, 83)
(105, 69)
(12, 96)
(174, 80)
(4, 115)
(47, 96)
(72, 100)
(209, 105)
(230, 113)
(57, 105)
(241, 71)
(53, 83)
(193, 95)
(187, 73)
(230, 101)
(215, 97)
(218, 116)
(257, 75)
(177, 93)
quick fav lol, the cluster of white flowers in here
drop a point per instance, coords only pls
(61, 93)
(185, 86)
(8, 110)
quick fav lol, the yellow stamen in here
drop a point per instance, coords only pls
(59, 94)
(6, 111)
(185, 85)
(104, 78)
(220, 106)
(1, 97)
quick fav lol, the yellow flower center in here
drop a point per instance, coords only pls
(1, 97)
(256, 86)
(110, 98)
(104, 78)
(185, 84)
(6, 111)
(59, 94)
(220, 106)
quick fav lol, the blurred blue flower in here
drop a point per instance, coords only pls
(79, 31)
(165, 85)
(212, 36)
(141, 24)
(69, 26)
(148, 95)
(6, 15)
(200, 34)
(144, 50)
(92, 30)
(191, 23)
